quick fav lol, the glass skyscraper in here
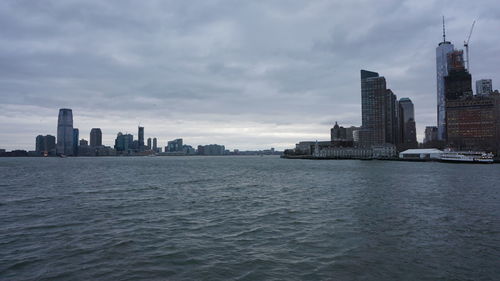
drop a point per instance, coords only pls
(141, 137)
(373, 94)
(76, 134)
(442, 51)
(407, 119)
(65, 132)
(95, 137)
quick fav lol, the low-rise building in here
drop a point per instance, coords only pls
(421, 154)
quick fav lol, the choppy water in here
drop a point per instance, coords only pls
(247, 218)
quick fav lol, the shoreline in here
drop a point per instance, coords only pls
(310, 157)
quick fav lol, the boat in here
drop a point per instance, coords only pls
(467, 157)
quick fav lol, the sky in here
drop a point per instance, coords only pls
(245, 74)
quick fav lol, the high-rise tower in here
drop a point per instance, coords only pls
(95, 137)
(65, 132)
(155, 145)
(141, 137)
(76, 135)
(407, 119)
(442, 51)
(379, 111)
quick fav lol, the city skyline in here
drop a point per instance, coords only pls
(203, 73)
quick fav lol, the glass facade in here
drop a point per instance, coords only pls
(442, 52)
(65, 132)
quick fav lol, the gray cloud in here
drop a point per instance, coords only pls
(247, 74)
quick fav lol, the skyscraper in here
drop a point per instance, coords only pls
(484, 87)
(40, 144)
(45, 145)
(149, 143)
(141, 137)
(155, 145)
(379, 110)
(95, 137)
(442, 51)
(174, 146)
(407, 120)
(391, 104)
(473, 123)
(65, 132)
(75, 141)
(458, 82)
(431, 133)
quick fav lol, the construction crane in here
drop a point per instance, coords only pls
(466, 45)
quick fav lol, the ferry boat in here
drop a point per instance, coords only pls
(467, 157)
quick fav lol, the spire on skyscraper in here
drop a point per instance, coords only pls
(444, 31)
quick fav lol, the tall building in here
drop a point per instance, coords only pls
(149, 144)
(442, 51)
(155, 145)
(124, 142)
(458, 82)
(50, 144)
(65, 132)
(431, 134)
(95, 137)
(174, 146)
(40, 144)
(408, 130)
(75, 141)
(46, 145)
(140, 133)
(484, 87)
(392, 126)
(473, 123)
(379, 111)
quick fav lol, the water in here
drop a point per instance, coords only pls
(247, 218)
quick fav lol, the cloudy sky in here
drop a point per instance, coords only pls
(247, 74)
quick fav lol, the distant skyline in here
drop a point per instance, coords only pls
(247, 74)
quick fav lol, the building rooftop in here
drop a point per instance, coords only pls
(424, 150)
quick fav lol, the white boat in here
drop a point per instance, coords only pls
(467, 157)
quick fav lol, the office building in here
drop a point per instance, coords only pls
(431, 134)
(124, 142)
(140, 133)
(40, 144)
(351, 132)
(95, 137)
(473, 123)
(149, 144)
(75, 141)
(484, 87)
(458, 82)
(155, 145)
(174, 146)
(84, 142)
(211, 149)
(408, 131)
(379, 111)
(45, 145)
(442, 51)
(65, 132)
(392, 124)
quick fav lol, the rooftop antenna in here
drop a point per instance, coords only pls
(444, 32)
(466, 45)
